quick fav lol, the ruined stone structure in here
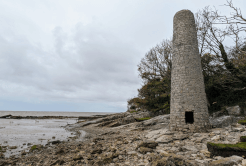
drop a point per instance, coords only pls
(189, 111)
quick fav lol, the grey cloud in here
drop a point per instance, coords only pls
(89, 64)
(81, 50)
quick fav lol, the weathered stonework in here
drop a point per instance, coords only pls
(188, 96)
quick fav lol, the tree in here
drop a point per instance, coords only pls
(224, 67)
(155, 71)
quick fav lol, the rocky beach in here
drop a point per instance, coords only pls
(136, 138)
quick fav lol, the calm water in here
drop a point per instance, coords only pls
(47, 113)
(20, 132)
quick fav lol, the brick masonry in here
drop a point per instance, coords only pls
(187, 82)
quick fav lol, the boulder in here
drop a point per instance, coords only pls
(223, 121)
(226, 150)
(220, 113)
(235, 110)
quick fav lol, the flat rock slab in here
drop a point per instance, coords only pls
(165, 139)
(152, 133)
(189, 148)
(228, 161)
(180, 136)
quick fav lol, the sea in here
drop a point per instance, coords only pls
(49, 113)
(22, 134)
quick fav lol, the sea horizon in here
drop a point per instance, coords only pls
(51, 113)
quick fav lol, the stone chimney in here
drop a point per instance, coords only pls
(189, 111)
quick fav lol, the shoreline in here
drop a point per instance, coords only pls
(51, 117)
(122, 140)
(19, 135)
(52, 113)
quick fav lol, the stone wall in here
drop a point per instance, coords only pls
(187, 83)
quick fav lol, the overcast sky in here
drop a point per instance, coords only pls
(81, 55)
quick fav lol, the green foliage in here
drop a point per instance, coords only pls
(243, 122)
(241, 145)
(36, 147)
(155, 72)
(133, 111)
(0, 148)
(33, 147)
(224, 67)
(154, 96)
(224, 85)
(142, 119)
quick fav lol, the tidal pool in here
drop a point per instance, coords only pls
(23, 133)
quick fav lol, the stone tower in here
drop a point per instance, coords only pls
(189, 111)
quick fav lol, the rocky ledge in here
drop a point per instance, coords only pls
(121, 140)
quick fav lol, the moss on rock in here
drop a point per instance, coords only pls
(226, 150)
(33, 147)
(242, 122)
(133, 111)
(36, 147)
(241, 145)
(142, 119)
(243, 138)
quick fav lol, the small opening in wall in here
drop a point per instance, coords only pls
(189, 117)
